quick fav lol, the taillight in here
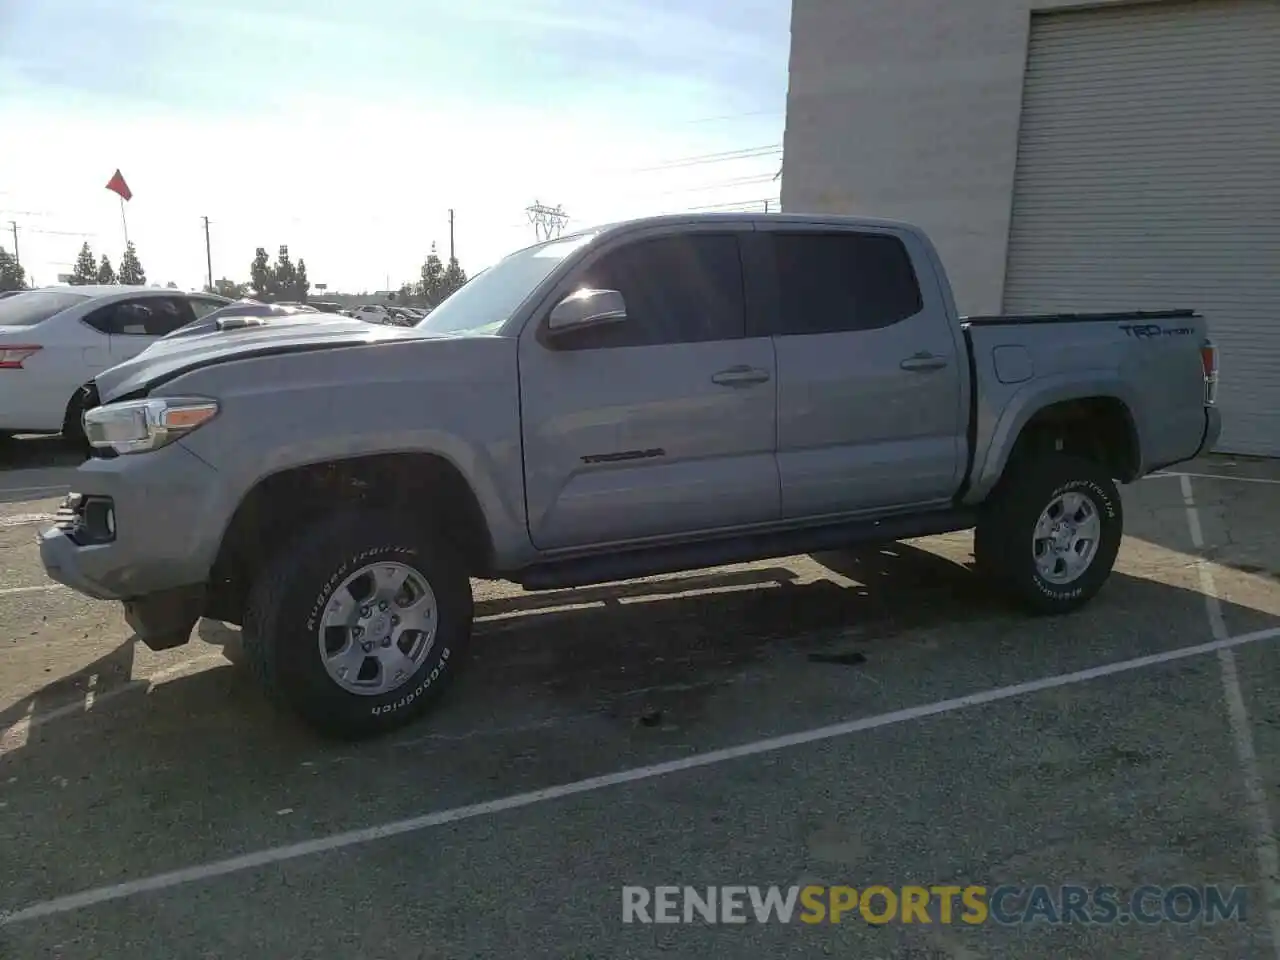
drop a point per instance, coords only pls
(1209, 362)
(11, 357)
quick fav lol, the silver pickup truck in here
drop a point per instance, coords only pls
(653, 396)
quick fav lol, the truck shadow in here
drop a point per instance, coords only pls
(600, 683)
(593, 648)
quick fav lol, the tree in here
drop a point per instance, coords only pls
(171, 285)
(431, 285)
(301, 285)
(260, 277)
(230, 290)
(105, 272)
(86, 268)
(285, 274)
(12, 274)
(131, 272)
(454, 278)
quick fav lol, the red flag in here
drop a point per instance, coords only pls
(118, 185)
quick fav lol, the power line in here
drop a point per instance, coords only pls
(64, 233)
(736, 206)
(725, 156)
(733, 182)
(733, 116)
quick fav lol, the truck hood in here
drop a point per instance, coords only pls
(168, 358)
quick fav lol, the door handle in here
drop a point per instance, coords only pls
(741, 376)
(923, 363)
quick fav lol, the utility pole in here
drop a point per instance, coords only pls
(16, 259)
(766, 206)
(547, 221)
(208, 253)
(451, 256)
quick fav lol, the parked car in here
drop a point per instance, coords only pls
(54, 340)
(655, 396)
(372, 313)
(242, 308)
(403, 316)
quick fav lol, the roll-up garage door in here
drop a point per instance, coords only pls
(1149, 177)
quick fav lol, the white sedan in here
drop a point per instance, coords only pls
(54, 340)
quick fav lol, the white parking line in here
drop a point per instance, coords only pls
(19, 519)
(9, 591)
(1213, 476)
(37, 492)
(293, 851)
(1241, 731)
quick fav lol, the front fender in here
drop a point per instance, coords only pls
(456, 399)
(1002, 428)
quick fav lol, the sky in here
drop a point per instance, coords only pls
(347, 129)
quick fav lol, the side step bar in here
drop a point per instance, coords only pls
(679, 557)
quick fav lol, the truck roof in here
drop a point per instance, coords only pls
(834, 219)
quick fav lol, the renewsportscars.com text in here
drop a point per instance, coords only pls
(1007, 905)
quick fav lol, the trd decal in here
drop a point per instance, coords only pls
(1144, 331)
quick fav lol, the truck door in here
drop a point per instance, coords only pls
(662, 423)
(869, 380)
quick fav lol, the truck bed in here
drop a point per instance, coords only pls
(1146, 364)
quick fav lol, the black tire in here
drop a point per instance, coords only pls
(1003, 540)
(73, 425)
(280, 638)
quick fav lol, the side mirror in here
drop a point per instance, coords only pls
(586, 308)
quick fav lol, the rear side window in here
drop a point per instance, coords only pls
(841, 282)
(36, 306)
(202, 307)
(678, 289)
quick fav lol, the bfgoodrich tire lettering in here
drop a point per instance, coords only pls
(288, 599)
(1003, 540)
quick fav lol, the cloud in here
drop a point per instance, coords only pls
(349, 134)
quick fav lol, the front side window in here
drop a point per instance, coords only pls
(144, 317)
(678, 289)
(842, 282)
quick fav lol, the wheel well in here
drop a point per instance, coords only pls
(428, 490)
(1099, 428)
(79, 397)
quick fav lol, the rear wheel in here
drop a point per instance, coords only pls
(1049, 536)
(359, 626)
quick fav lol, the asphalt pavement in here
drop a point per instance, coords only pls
(851, 720)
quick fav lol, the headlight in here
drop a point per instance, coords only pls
(137, 425)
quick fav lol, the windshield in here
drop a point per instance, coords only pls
(489, 299)
(36, 306)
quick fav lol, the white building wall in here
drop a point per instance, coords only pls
(909, 109)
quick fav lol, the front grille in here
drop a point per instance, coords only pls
(69, 513)
(87, 520)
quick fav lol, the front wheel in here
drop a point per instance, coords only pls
(1051, 532)
(73, 423)
(360, 624)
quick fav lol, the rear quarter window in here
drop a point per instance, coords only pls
(36, 306)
